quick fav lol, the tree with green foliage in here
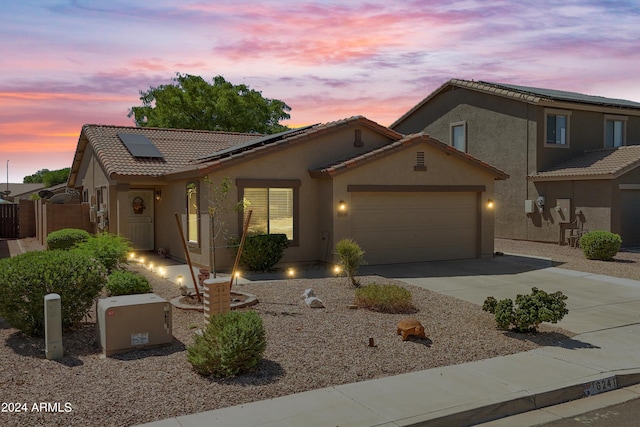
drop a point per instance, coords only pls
(190, 102)
(35, 178)
(351, 257)
(47, 177)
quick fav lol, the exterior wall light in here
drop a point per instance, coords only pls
(490, 204)
(342, 206)
(158, 194)
(291, 272)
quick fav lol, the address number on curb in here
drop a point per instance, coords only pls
(600, 386)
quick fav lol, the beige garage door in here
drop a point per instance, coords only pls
(411, 227)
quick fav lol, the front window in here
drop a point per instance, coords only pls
(272, 210)
(557, 128)
(459, 136)
(274, 205)
(614, 132)
(192, 213)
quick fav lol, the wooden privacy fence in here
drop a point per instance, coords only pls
(8, 221)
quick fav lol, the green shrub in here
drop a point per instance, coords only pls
(231, 343)
(351, 257)
(27, 278)
(385, 299)
(261, 252)
(127, 283)
(66, 238)
(528, 311)
(602, 245)
(109, 249)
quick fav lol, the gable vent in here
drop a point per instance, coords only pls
(358, 139)
(140, 146)
(420, 166)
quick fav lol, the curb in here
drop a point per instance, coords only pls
(498, 410)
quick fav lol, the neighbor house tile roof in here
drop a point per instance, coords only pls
(178, 146)
(598, 164)
(528, 94)
(347, 164)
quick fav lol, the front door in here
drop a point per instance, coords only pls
(141, 219)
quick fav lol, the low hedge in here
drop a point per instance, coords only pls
(262, 251)
(232, 343)
(127, 283)
(109, 249)
(600, 245)
(26, 279)
(66, 238)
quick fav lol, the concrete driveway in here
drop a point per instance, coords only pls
(595, 301)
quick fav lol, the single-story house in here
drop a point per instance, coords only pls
(402, 198)
(573, 159)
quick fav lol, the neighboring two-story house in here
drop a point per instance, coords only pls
(573, 159)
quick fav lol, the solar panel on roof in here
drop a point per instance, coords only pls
(260, 140)
(139, 145)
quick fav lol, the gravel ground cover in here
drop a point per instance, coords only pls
(306, 349)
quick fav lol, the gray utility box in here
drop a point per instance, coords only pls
(131, 322)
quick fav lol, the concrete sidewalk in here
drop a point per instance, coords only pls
(602, 310)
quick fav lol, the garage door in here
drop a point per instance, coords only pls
(412, 227)
(629, 214)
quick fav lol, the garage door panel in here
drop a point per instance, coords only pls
(410, 227)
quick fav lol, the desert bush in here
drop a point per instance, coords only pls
(601, 245)
(127, 283)
(262, 251)
(385, 299)
(66, 238)
(109, 249)
(231, 343)
(27, 278)
(528, 311)
(351, 257)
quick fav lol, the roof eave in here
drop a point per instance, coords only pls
(585, 177)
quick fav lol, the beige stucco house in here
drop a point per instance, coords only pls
(573, 159)
(402, 198)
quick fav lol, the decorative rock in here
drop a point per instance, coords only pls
(308, 294)
(314, 302)
(411, 326)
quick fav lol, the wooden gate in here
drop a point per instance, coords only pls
(8, 221)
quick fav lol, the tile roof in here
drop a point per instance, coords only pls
(534, 94)
(226, 157)
(598, 164)
(523, 93)
(179, 147)
(347, 164)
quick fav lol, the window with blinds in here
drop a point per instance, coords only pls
(272, 210)
(192, 213)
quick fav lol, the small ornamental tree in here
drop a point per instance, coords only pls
(528, 311)
(218, 206)
(351, 257)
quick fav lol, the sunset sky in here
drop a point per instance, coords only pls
(67, 63)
